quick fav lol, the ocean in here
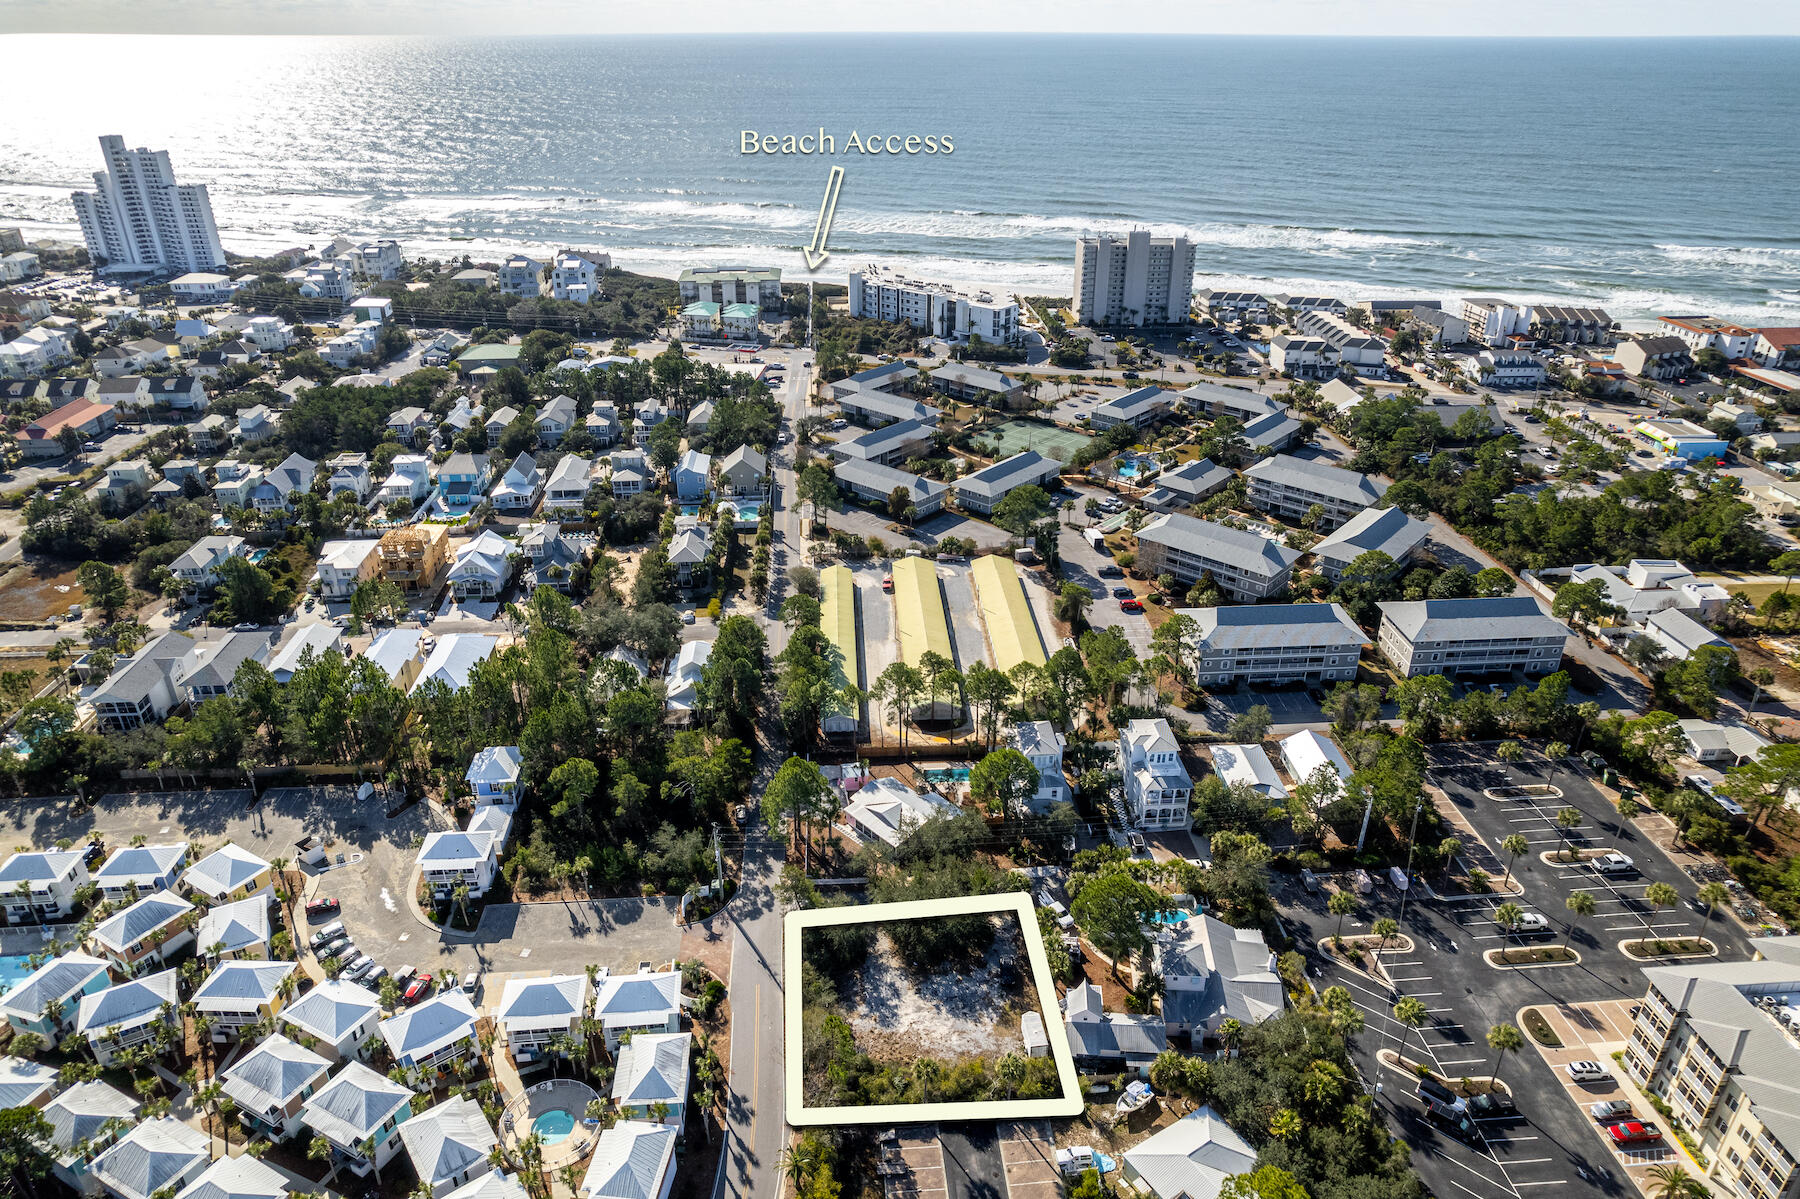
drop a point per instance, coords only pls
(1645, 176)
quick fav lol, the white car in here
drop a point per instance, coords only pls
(1531, 923)
(1587, 1071)
(1613, 863)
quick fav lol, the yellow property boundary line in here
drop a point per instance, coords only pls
(1017, 903)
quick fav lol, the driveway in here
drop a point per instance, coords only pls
(973, 1167)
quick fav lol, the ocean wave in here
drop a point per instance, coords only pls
(1784, 258)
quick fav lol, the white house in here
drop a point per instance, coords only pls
(535, 1011)
(519, 488)
(241, 993)
(243, 1177)
(409, 479)
(156, 1155)
(235, 930)
(483, 566)
(1190, 1159)
(346, 565)
(455, 655)
(47, 1000)
(568, 486)
(229, 873)
(198, 566)
(576, 277)
(1212, 973)
(1709, 742)
(493, 775)
(632, 1160)
(257, 423)
(1680, 635)
(448, 858)
(1039, 741)
(554, 419)
(449, 1144)
(434, 1034)
(1306, 752)
(645, 1002)
(134, 870)
(684, 678)
(85, 1121)
(653, 1069)
(887, 810)
(358, 1106)
(340, 1017)
(1248, 765)
(126, 1016)
(49, 879)
(1157, 786)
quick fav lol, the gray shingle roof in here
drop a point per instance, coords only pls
(1321, 477)
(1460, 619)
(1389, 530)
(1232, 547)
(885, 478)
(1029, 467)
(1276, 625)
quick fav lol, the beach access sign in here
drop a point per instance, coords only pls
(820, 142)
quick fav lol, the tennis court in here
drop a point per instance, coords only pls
(1017, 436)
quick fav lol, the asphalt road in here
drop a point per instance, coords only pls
(973, 1168)
(755, 1118)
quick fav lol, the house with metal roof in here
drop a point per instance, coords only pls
(50, 878)
(155, 1155)
(1387, 530)
(1708, 741)
(1157, 785)
(243, 1177)
(25, 1083)
(692, 475)
(1043, 747)
(235, 930)
(355, 1107)
(981, 491)
(433, 1034)
(683, 693)
(1248, 766)
(449, 857)
(125, 1016)
(85, 1121)
(340, 1017)
(1212, 973)
(887, 810)
(398, 652)
(271, 1083)
(1306, 753)
(198, 566)
(47, 1000)
(211, 669)
(1471, 636)
(1680, 635)
(1098, 1037)
(1291, 487)
(888, 445)
(149, 932)
(454, 657)
(567, 488)
(1246, 566)
(1189, 483)
(874, 483)
(632, 1160)
(519, 488)
(637, 1003)
(653, 1069)
(136, 869)
(242, 993)
(535, 1011)
(483, 566)
(493, 774)
(449, 1144)
(1190, 1159)
(1276, 643)
(496, 1184)
(229, 873)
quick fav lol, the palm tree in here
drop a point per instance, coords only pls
(1514, 845)
(1341, 904)
(1581, 905)
(1503, 1039)
(1661, 895)
(1670, 1181)
(1411, 1012)
(799, 1161)
(1566, 820)
(1231, 1032)
(1508, 916)
(1385, 928)
(1284, 1123)
(1712, 895)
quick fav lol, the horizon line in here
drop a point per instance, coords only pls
(1117, 35)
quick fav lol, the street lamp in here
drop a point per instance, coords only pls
(1411, 844)
(1368, 807)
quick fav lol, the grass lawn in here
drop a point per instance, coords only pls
(1756, 593)
(39, 592)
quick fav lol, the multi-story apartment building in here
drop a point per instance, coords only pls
(1291, 487)
(1134, 279)
(1232, 305)
(1492, 321)
(1504, 368)
(1571, 325)
(1388, 530)
(1715, 1042)
(1157, 786)
(1354, 347)
(937, 308)
(1303, 357)
(1245, 565)
(1659, 358)
(1711, 333)
(1282, 643)
(138, 218)
(1470, 636)
(981, 491)
(723, 285)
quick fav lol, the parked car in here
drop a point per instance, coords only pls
(1456, 1122)
(1610, 1109)
(1587, 1071)
(1613, 863)
(1634, 1132)
(1131, 605)
(418, 989)
(1111, 572)
(887, 582)
(95, 852)
(328, 934)
(471, 983)
(404, 975)
(359, 965)
(1123, 593)
(1433, 1091)
(337, 947)
(372, 979)
(321, 907)
(1492, 1106)
(1532, 924)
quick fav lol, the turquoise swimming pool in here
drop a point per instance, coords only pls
(947, 774)
(554, 1127)
(1128, 468)
(13, 971)
(1175, 917)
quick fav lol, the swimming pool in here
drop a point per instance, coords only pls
(13, 971)
(1128, 468)
(554, 1127)
(1177, 916)
(947, 774)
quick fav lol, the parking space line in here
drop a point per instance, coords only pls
(1416, 978)
(1555, 1182)
(1460, 1061)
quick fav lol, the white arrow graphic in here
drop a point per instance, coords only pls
(816, 253)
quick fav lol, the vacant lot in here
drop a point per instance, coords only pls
(952, 1014)
(39, 592)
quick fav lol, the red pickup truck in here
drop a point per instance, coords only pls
(1634, 1132)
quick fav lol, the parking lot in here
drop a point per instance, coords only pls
(1552, 1139)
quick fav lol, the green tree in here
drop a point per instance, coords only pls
(1508, 916)
(989, 692)
(1111, 910)
(1712, 895)
(1265, 1182)
(1503, 1039)
(1581, 905)
(1251, 725)
(1411, 1012)
(1072, 604)
(1021, 508)
(1586, 602)
(799, 792)
(1492, 582)
(1003, 781)
(104, 588)
(1341, 904)
(1514, 845)
(1661, 895)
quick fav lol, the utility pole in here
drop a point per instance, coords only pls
(1411, 844)
(1368, 807)
(718, 863)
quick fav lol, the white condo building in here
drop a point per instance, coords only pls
(940, 310)
(1134, 279)
(139, 218)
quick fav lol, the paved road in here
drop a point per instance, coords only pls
(755, 1119)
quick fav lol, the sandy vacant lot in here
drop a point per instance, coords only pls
(900, 1015)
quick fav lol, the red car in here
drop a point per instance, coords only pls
(1131, 605)
(421, 987)
(321, 907)
(1633, 1132)
(887, 583)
